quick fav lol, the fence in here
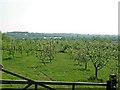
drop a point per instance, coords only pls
(110, 85)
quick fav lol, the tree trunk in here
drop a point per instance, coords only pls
(96, 72)
(85, 66)
(43, 62)
(78, 62)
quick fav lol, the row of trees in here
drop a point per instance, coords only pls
(43, 50)
(99, 52)
(96, 50)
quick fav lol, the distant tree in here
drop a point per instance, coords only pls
(46, 52)
(10, 48)
(20, 47)
(79, 52)
(82, 55)
(49, 49)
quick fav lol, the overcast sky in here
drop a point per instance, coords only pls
(60, 16)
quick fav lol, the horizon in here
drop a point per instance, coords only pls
(55, 33)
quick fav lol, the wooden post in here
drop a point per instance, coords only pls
(35, 86)
(73, 87)
(111, 83)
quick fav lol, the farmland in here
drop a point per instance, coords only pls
(83, 60)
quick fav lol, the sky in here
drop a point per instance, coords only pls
(60, 16)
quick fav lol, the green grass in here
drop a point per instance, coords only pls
(62, 68)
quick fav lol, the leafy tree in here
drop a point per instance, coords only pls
(46, 52)
(82, 55)
(79, 52)
(20, 47)
(99, 54)
(10, 48)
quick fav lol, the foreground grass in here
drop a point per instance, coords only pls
(62, 68)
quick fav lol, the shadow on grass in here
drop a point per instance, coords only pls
(8, 58)
(77, 64)
(82, 69)
(94, 79)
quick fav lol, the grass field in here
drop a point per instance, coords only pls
(62, 68)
